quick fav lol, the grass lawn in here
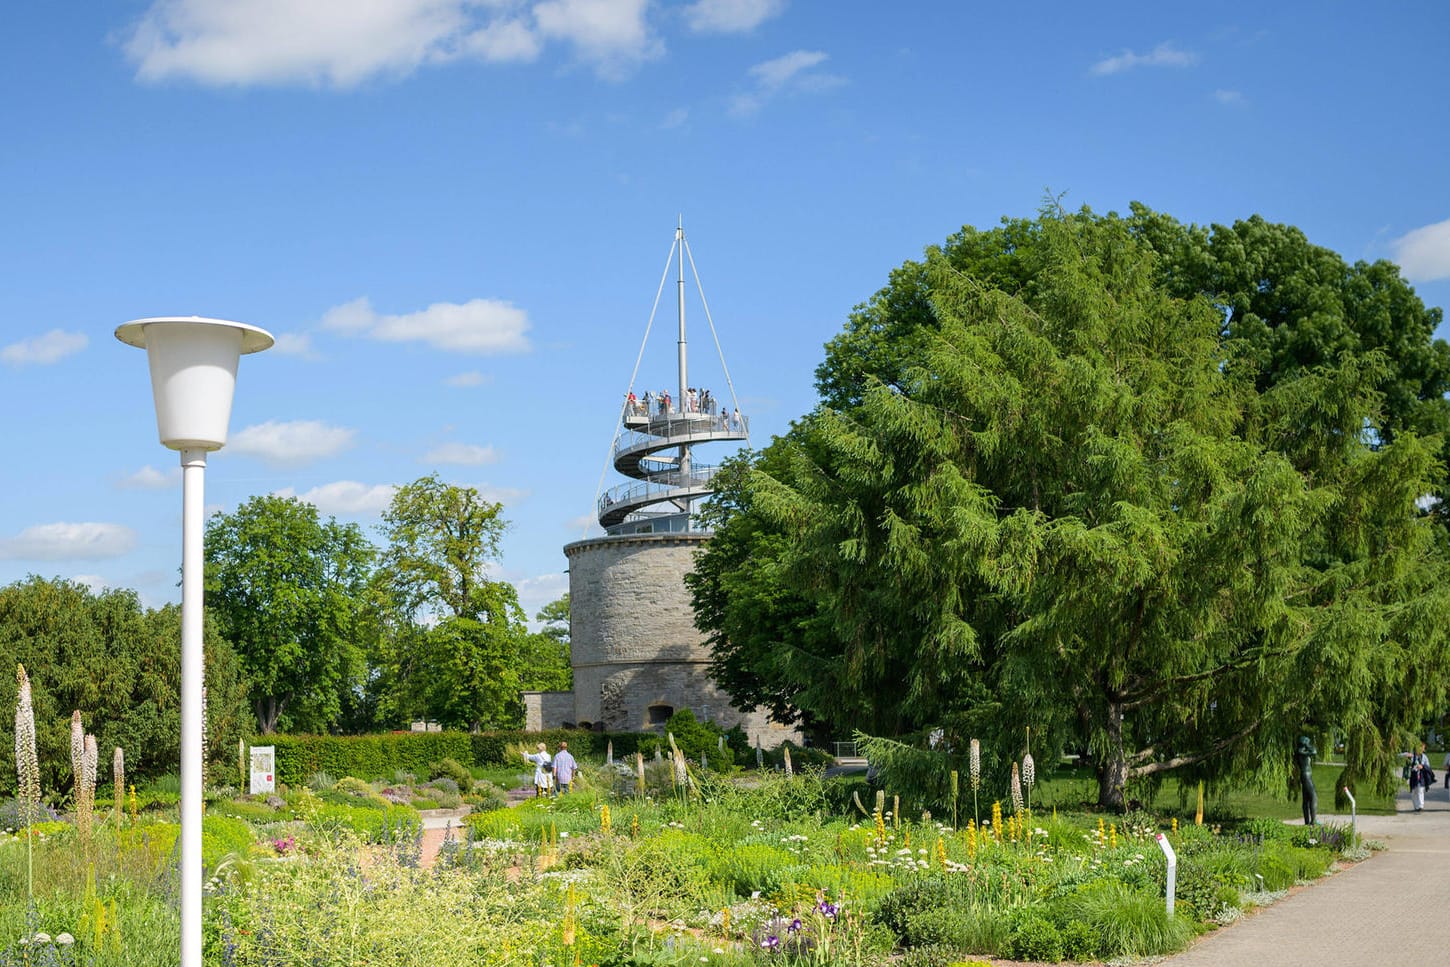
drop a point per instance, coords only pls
(1071, 788)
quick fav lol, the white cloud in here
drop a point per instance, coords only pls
(44, 350)
(342, 43)
(478, 326)
(504, 41)
(295, 344)
(295, 442)
(675, 118)
(66, 542)
(467, 380)
(610, 34)
(468, 454)
(149, 478)
(1424, 254)
(1228, 97)
(791, 73)
(730, 16)
(584, 525)
(94, 582)
(1164, 55)
(346, 497)
(537, 591)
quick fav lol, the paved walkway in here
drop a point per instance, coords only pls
(1389, 909)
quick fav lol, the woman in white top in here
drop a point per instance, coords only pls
(543, 770)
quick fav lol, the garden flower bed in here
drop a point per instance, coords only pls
(716, 871)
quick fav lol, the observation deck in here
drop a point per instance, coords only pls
(660, 478)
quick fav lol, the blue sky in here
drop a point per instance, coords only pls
(454, 215)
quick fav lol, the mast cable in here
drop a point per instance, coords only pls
(619, 422)
(720, 352)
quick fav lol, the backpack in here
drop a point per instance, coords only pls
(547, 767)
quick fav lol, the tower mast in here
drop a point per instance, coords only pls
(684, 461)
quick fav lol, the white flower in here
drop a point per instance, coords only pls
(65, 939)
(42, 937)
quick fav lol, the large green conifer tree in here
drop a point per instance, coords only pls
(1047, 488)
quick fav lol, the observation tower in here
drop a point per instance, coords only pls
(637, 656)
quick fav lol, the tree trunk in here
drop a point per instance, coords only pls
(1113, 765)
(268, 711)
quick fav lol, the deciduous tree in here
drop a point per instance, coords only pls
(291, 593)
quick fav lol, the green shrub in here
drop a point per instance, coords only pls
(939, 927)
(353, 787)
(908, 901)
(1079, 941)
(1210, 882)
(422, 802)
(752, 867)
(486, 797)
(1034, 937)
(221, 835)
(449, 768)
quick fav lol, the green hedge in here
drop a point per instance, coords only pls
(372, 757)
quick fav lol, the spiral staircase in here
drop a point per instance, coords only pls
(655, 443)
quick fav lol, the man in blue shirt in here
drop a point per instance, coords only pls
(564, 769)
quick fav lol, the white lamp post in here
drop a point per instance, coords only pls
(193, 373)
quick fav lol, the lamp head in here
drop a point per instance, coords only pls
(193, 374)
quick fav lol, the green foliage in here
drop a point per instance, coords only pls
(451, 769)
(365, 757)
(1046, 486)
(1280, 865)
(694, 738)
(1079, 941)
(368, 822)
(223, 836)
(290, 593)
(1127, 922)
(354, 787)
(544, 658)
(380, 756)
(938, 927)
(120, 665)
(1034, 937)
(753, 868)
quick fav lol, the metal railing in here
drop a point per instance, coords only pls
(673, 430)
(656, 487)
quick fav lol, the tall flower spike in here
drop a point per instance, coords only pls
(86, 788)
(77, 749)
(27, 763)
(118, 780)
(1016, 789)
(974, 765)
(1029, 770)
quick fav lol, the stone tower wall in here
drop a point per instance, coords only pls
(634, 640)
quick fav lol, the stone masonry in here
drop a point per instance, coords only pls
(637, 655)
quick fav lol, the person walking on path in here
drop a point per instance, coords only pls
(1446, 766)
(543, 770)
(1420, 776)
(564, 769)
